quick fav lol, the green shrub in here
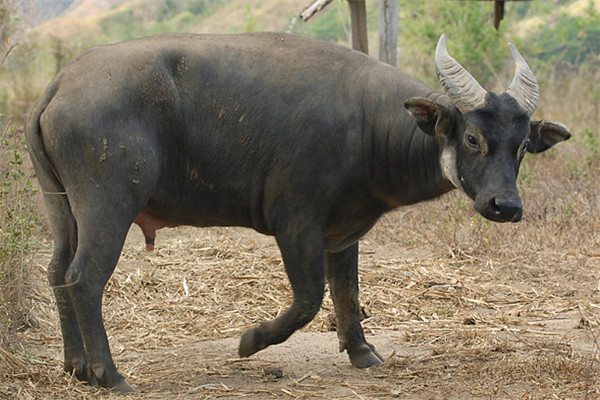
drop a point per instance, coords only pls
(569, 38)
(197, 7)
(18, 222)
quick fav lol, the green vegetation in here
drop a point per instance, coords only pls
(18, 222)
(169, 16)
(250, 21)
(332, 26)
(18, 218)
(571, 39)
(567, 38)
(7, 20)
(472, 38)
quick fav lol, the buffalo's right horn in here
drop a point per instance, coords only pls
(464, 91)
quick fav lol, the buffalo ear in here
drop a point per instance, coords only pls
(430, 116)
(545, 134)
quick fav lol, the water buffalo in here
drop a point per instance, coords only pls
(296, 138)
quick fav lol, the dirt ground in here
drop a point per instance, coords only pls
(452, 324)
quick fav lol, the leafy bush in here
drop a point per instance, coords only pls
(17, 216)
(569, 38)
(18, 222)
(197, 6)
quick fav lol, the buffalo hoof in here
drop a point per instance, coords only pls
(120, 387)
(110, 379)
(123, 387)
(251, 342)
(77, 367)
(82, 374)
(93, 381)
(364, 356)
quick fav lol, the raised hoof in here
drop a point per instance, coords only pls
(251, 342)
(365, 356)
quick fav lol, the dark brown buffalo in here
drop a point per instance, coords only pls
(296, 138)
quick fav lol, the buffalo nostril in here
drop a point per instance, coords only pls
(507, 210)
(494, 206)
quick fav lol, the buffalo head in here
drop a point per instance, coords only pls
(483, 135)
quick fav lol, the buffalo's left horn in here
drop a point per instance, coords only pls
(464, 91)
(524, 87)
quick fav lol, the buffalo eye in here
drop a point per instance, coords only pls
(472, 142)
(523, 149)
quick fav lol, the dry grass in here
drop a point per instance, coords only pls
(473, 310)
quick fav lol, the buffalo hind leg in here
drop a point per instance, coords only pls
(342, 275)
(65, 242)
(304, 258)
(100, 241)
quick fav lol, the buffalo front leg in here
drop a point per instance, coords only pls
(304, 258)
(342, 274)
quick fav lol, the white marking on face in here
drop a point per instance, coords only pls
(448, 163)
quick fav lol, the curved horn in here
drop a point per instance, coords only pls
(524, 87)
(464, 91)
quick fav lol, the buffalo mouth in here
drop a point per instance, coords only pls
(500, 210)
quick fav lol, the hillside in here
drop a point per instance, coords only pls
(109, 17)
(533, 26)
(35, 12)
(574, 8)
(539, 28)
(74, 17)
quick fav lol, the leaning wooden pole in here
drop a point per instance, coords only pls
(358, 25)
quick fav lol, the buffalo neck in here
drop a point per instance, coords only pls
(406, 160)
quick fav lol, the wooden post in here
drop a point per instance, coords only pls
(388, 30)
(358, 25)
(498, 13)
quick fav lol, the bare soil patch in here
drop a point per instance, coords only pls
(519, 322)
